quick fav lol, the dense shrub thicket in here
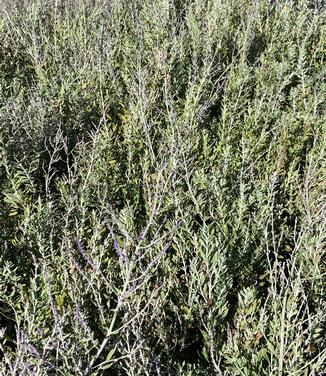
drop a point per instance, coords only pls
(162, 187)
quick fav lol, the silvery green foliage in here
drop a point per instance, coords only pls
(162, 195)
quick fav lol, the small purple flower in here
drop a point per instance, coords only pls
(119, 252)
(2, 332)
(141, 236)
(84, 255)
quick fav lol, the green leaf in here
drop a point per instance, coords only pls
(262, 352)
(110, 354)
(107, 366)
(108, 362)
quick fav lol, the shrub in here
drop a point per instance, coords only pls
(162, 195)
